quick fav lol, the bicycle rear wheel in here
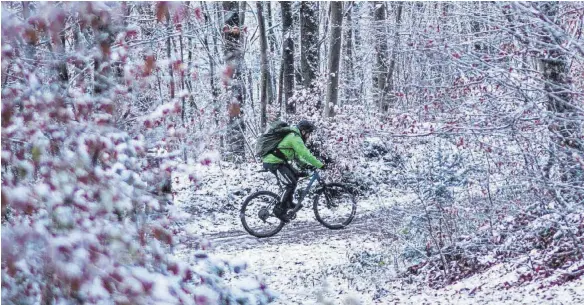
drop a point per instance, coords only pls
(335, 206)
(257, 214)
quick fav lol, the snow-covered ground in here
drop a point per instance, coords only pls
(309, 264)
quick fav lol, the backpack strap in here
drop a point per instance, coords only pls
(279, 154)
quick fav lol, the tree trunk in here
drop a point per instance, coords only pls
(30, 47)
(182, 79)
(246, 85)
(326, 13)
(168, 54)
(348, 66)
(189, 78)
(296, 39)
(359, 70)
(272, 67)
(381, 50)
(62, 66)
(25, 10)
(332, 91)
(101, 83)
(390, 98)
(287, 57)
(212, 63)
(242, 5)
(309, 42)
(281, 85)
(233, 59)
(565, 125)
(264, 66)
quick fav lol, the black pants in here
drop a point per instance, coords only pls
(288, 176)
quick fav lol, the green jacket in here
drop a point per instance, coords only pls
(293, 147)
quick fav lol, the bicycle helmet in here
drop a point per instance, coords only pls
(306, 126)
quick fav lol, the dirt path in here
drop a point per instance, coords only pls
(295, 232)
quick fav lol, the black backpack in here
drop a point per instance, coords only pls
(268, 142)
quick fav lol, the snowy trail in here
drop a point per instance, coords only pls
(296, 232)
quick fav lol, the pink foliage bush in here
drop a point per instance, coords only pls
(81, 221)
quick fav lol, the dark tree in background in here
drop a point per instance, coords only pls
(348, 68)
(380, 74)
(565, 123)
(264, 82)
(334, 58)
(287, 66)
(390, 99)
(308, 43)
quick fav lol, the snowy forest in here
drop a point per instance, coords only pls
(129, 135)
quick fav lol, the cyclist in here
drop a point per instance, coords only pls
(291, 148)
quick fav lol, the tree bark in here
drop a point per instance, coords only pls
(296, 39)
(30, 47)
(189, 79)
(380, 74)
(287, 57)
(264, 66)
(332, 91)
(212, 63)
(281, 85)
(359, 72)
(168, 54)
(348, 66)
(246, 85)
(272, 66)
(233, 60)
(565, 125)
(62, 66)
(309, 42)
(390, 98)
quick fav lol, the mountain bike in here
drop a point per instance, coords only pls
(334, 206)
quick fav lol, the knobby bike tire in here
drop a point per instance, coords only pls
(316, 206)
(242, 215)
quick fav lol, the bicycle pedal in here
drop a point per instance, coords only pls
(290, 215)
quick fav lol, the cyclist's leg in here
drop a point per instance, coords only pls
(271, 167)
(290, 181)
(279, 211)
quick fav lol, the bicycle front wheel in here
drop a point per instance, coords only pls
(257, 214)
(335, 206)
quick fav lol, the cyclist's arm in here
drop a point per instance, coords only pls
(303, 153)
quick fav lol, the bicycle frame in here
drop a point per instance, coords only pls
(314, 177)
